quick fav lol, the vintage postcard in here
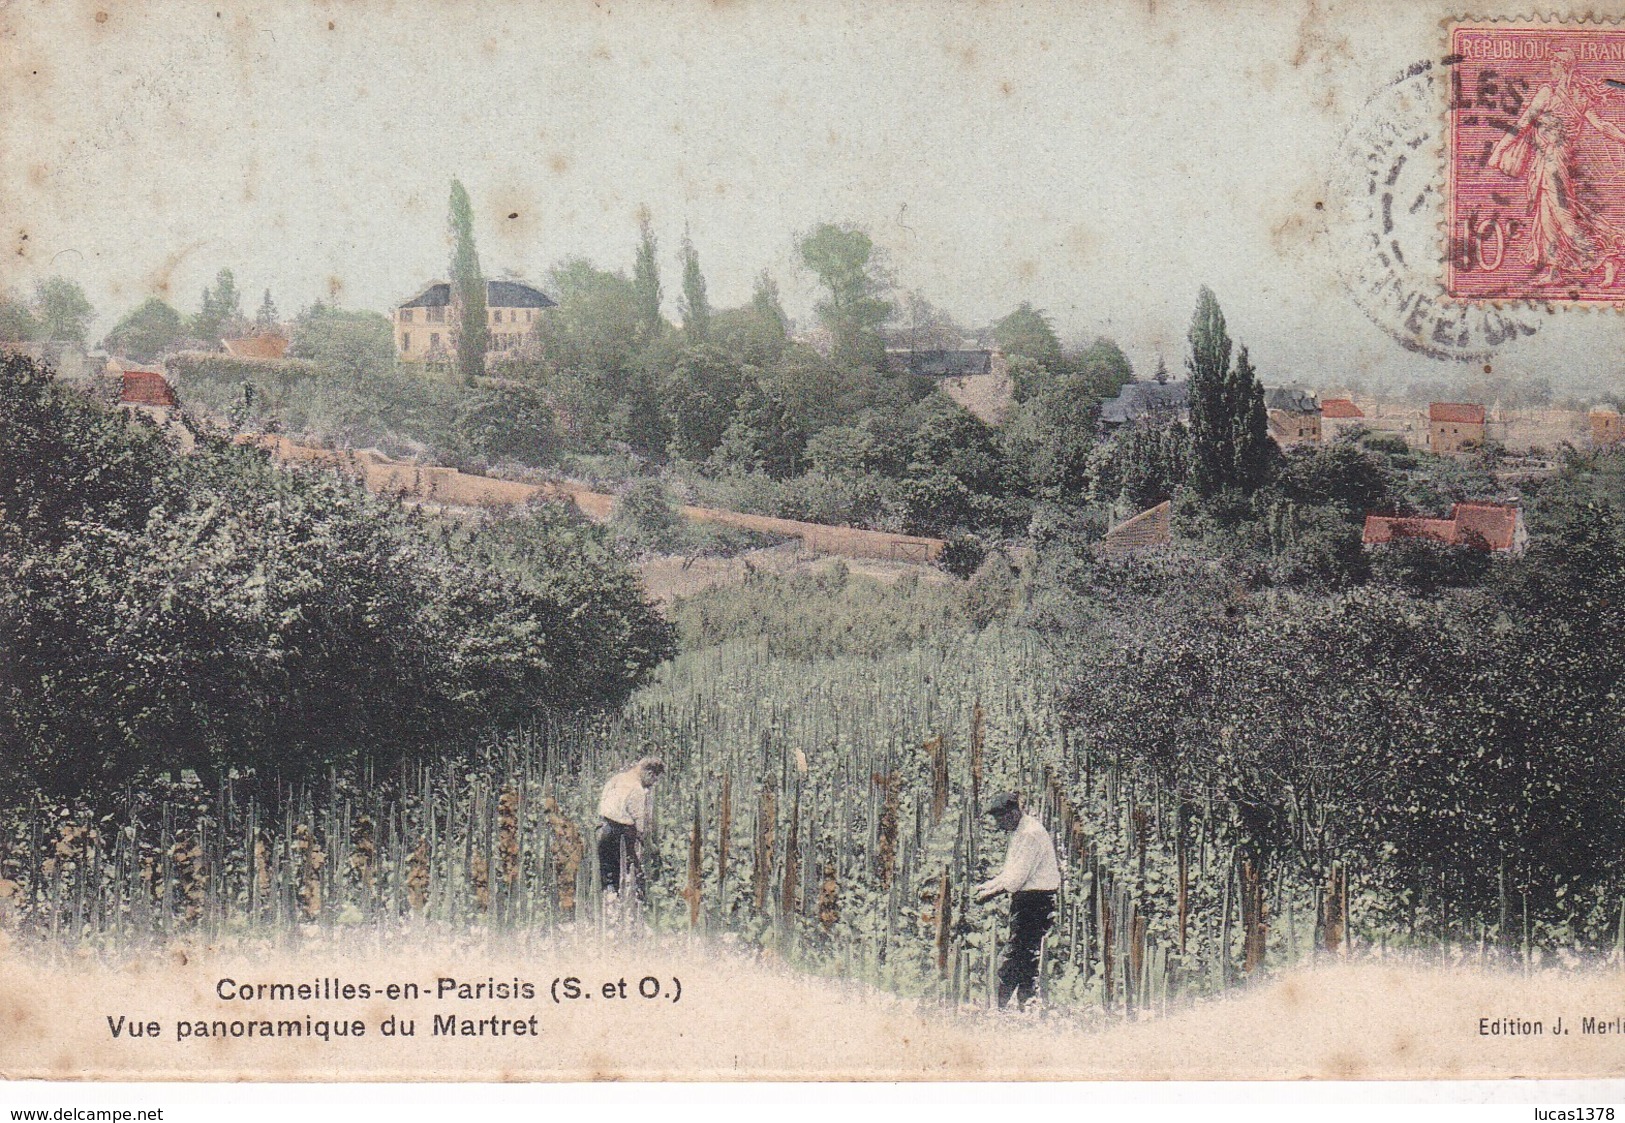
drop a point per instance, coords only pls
(811, 540)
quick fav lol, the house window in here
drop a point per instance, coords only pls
(406, 315)
(527, 315)
(434, 341)
(406, 341)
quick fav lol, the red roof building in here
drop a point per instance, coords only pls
(1458, 413)
(256, 347)
(1340, 409)
(145, 386)
(1496, 527)
(1455, 426)
(1147, 530)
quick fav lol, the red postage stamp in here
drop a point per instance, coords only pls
(1537, 163)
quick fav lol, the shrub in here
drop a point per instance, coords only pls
(645, 518)
(214, 612)
(962, 556)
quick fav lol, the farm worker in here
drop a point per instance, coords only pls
(626, 808)
(1031, 876)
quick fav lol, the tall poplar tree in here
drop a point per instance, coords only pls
(1229, 430)
(693, 305)
(467, 287)
(1250, 427)
(646, 280)
(1208, 364)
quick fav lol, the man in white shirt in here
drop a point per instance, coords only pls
(1031, 876)
(626, 808)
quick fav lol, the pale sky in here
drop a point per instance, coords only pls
(1101, 160)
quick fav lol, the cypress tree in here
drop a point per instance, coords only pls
(467, 287)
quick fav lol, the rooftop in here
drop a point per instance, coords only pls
(1488, 526)
(498, 294)
(940, 364)
(1340, 408)
(1456, 413)
(1293, 399)
(256, 347)
(1145, 399)
(1147, 530)
(145, 386)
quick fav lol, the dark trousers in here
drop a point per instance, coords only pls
(1032, 911)
(618, 857)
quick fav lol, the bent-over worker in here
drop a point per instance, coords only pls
(1031, 876)
(626, 807)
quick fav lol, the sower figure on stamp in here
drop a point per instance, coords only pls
(626, 807)
(1568, 234)
(1031, 876)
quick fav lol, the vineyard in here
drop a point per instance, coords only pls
(822, 811)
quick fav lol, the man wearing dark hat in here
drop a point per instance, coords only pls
(1031, 876)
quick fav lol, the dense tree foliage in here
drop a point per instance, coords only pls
(146, 332)
(59, 313)
(1455, 739)
(1028, 334)
(268, 317)
(355, 344)
(220, 312)
(920, 325)
(1230, 444)
(214, 612)
(62, 311)
(17, 323)
(854, 307)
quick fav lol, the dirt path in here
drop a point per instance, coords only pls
(739, 1017)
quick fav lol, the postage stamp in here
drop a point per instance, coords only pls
(1537, 162)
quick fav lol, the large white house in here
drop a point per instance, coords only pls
(426, 326)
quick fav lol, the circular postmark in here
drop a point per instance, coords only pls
(1386, 205)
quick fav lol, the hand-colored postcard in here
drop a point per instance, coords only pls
(802, 540)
